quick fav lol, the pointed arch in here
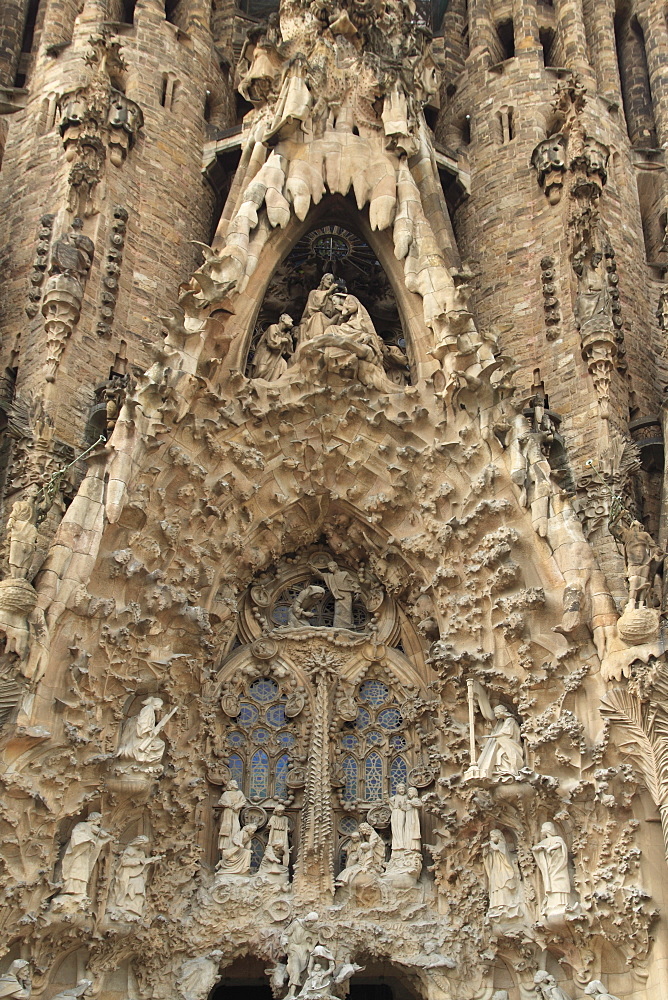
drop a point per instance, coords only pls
(342, 211)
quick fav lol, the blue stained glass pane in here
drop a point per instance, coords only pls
(348, 825)
(349, 767)
(398, 742)
(286, 740)
(279, 615)
(373, 777)
(375, 693)
(275, 715)
(349, 741)
(398, 773)
(247, 715)
(236, 766)
(236, 739)
(280, 787)
(390, 718)
(264, 690)
(363, 718)
(257, 850)
(259, 783)
(260, 735)
(374, 738)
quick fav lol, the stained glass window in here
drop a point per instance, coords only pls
(375, 693)
(373, 777)
(398, 773)
(286, 740)
(363, 718)
(349, 741)
(275, 715)
(259, 775)
(236, 739)
(281, 773)
(260, 735)
(374, 738)
(390, 718)
(248, 714)
(348, 824)
(257, 852)
(236, 766)
(349, 766)
(398, 742)
(263, 690)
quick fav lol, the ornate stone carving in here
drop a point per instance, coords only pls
(503, 884)
(81, 854)
(546, 987)
(95, 118)
(549, 161)
(595, 988)
(40, 264)
(551, 854)
(128, 893)
(269, 360)
(550, 300)
(231, 802)
(71, 258)
(111, 270)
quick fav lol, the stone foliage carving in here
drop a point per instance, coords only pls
(111, 270)
(40, 264)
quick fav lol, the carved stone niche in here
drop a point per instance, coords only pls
(318, 592)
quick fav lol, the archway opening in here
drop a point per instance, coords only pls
(245, 979)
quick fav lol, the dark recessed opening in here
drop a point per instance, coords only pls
(506, 35)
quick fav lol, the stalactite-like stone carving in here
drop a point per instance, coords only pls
(71, 259)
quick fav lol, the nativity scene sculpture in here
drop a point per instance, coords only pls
(335, 335)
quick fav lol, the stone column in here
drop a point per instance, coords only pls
(653, 23)
(570, 23)
(12, 22)
(600, 18)
(525, 24)
(482, 35)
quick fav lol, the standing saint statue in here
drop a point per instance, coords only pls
(503, 883)
(22, 534)
(275, 344)
(83, 849)
(232, 801)
(643, 559)
(298, 940)
(278, 830)
(344, 587)
(551, 854)
(128, 894)
(405, 820)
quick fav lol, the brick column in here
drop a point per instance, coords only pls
(653, 23)
(12, 21)
(570, 23)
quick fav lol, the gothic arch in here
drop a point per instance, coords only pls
(332, 208)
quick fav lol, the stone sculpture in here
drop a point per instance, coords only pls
(592, 302)
(643, 559)
(273, 866)
(551, 854)
(319, 973)
(300, 609)
(405, 864)
(128, 894)
(503, 753)
(298, 940)
(595, 988)
(197, 976)
(232, 801)
(22, 532)
(546, 987)
(81, 854)
(365, 859)
(16, 983)
(503, 881)
(321, 310)
(549, 159)
(82, 988)
(71, 259)
(140, 741)
(278, 830)
(274, 346)
(344, 587)
(236, 858)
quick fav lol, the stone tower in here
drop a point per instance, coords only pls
(332, 599)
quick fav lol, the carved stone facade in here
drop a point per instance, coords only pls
(332, 591)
